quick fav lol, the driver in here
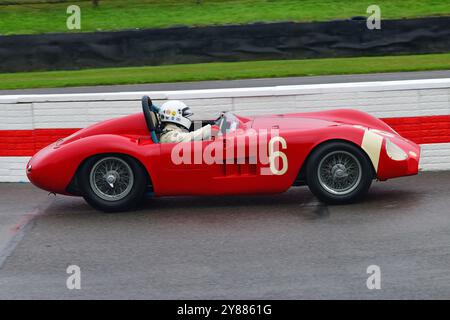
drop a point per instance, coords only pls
(175, 118)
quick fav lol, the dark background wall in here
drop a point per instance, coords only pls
(223, 43)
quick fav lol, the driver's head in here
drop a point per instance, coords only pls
(176, 112)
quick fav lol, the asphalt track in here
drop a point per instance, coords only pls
(242, 83)
(286, 246)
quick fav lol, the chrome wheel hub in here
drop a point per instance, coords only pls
(339, 172)
(111, 179)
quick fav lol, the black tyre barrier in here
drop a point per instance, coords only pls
(287, 40)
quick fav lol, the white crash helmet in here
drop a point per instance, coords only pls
(177, 112)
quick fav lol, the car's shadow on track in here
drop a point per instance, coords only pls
(299, 197)
(298, 202)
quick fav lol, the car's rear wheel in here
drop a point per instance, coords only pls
(112, 183)
(339, 172)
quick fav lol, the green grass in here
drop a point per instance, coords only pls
(131, 14)
(223, 71)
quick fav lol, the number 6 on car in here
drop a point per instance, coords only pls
(274, 155)
(337, 153)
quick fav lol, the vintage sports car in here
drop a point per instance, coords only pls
(116, 163)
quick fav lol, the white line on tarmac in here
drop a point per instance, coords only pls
(12, 234)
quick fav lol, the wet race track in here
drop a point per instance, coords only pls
(286, 246)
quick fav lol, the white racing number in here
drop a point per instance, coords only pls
(275, 153)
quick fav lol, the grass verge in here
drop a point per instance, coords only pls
(130, 14)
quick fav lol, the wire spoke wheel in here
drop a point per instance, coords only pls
(111, 178)
(339, 172)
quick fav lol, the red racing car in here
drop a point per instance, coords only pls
(115, 163)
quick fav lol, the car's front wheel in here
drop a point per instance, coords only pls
(112, 183)
(339, 172)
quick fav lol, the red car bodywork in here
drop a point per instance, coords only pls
(54, 167)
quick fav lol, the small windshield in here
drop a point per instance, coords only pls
(228, 122)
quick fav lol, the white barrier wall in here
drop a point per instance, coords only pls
(388, 99)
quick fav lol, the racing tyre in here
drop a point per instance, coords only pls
(339, 173)
(112, 183)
